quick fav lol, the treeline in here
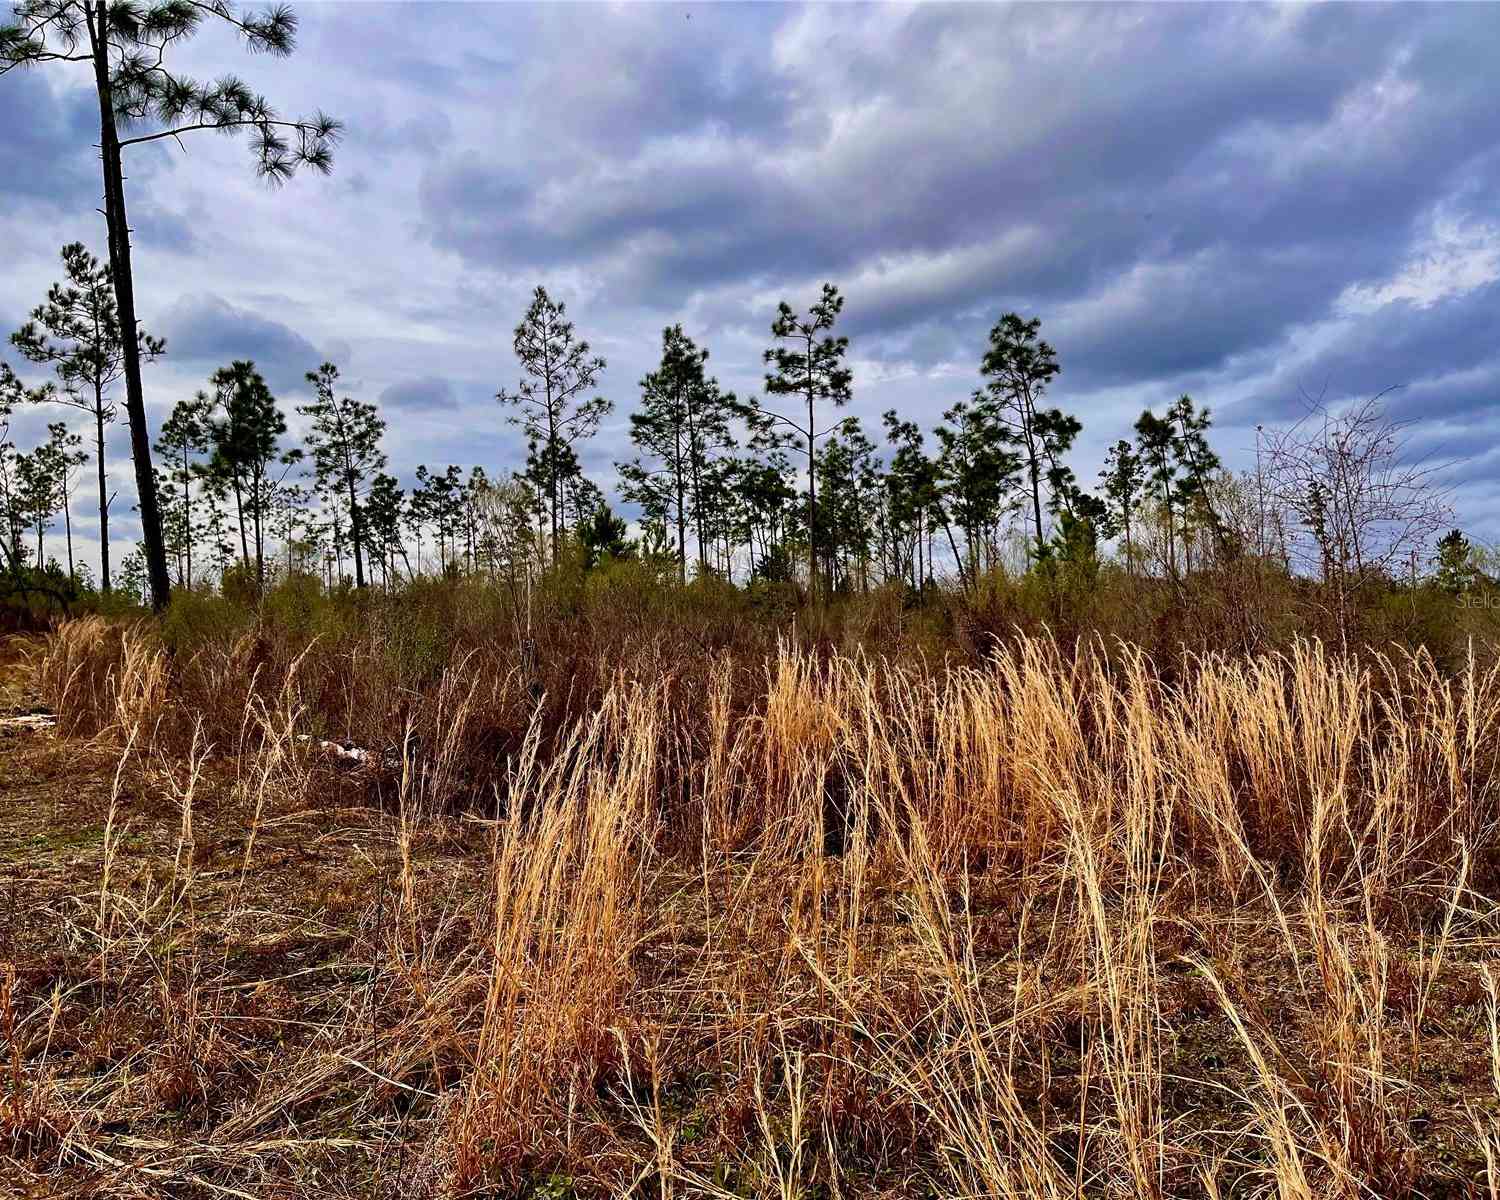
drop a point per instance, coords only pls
(775, 487)
(724, 485)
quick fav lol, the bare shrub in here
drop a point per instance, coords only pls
(1361, 504)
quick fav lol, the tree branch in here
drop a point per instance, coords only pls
(301, 126)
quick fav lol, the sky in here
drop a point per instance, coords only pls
(1249, 204)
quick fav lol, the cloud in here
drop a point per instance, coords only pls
(1443, 357)
(156, 228)
(923, 150)
(416, 395)
(208, 332)
(1456, 257)
(46, 143)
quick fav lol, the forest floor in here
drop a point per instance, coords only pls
(282, 939)
(193, 1000)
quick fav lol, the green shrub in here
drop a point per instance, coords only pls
(298, 604)
(197, 617)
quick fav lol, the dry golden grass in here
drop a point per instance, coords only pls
(1066, 925)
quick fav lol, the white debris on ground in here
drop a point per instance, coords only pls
(349, 753)
(28, 721)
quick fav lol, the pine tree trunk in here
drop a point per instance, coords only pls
(1171, 531)
(681, 513)
(103, 494)
(964, 576)
(1036, 504)
(187, 519)
(239, 515)
(357, 533)
(812, 498)
(68, 525)
(258, 484)
(119, 257)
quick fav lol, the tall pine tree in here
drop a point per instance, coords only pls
(1020, 366)
(550, 403)
(245, 428)
(683, 424)
(809, 364)
(1122, 479)
(184, 437)
(77, 332)
(976, 470)
(344, 439)
(128, 45)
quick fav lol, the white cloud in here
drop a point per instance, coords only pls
(1454, 257)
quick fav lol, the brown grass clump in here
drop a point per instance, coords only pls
(787, 922)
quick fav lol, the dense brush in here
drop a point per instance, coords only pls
(1063, 924)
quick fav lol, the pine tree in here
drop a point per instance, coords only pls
(474, 490)
(811, 367)
(603, 537)
(11, 393)
(1122, 479)
(419, 508)
(976, 469)
(683, 424)
(849, 473)
(1155, 447)
(1020, 366)
(344, 439)
(127, 43)
(77, 332)
(1457, 571)
(1180, 465)
(438, 500)
(914, 502)
(723, 523)
(67, 455)
(184, 437)
(582, 498)
(215, 525)
(385, 514)
(550, 405)
(764, 488)
(658, 429)
(133, 575)
(289, 515)
(39, 492)
(1197, 463)
(12, 512)
(246, 429)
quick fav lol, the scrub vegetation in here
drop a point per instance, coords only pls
(666, 894)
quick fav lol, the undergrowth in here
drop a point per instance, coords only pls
(757, 910)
